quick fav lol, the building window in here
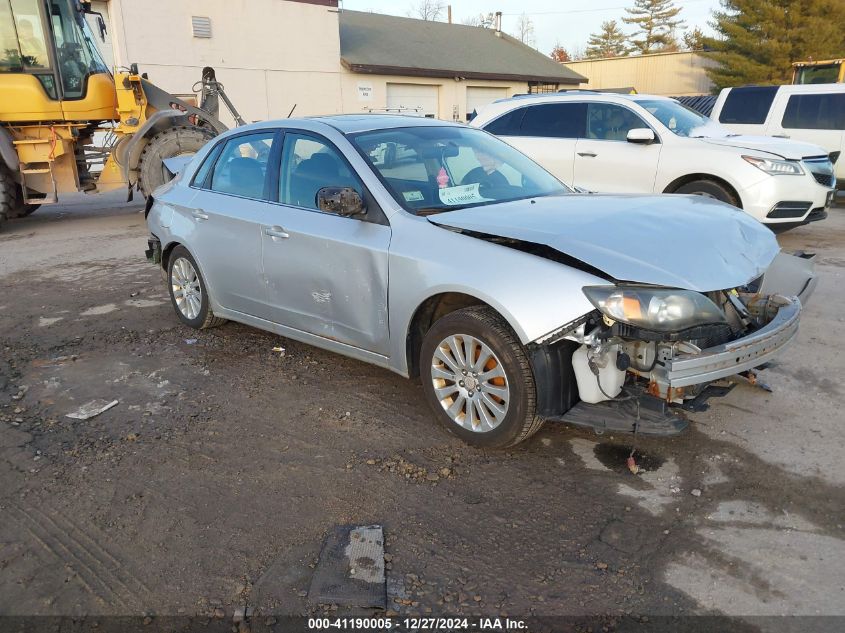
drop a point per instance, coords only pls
(541, 87)
(201, 26)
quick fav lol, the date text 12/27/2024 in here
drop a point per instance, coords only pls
(417, 624)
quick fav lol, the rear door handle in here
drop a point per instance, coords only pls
(199, 214)
(587, 154)
(276, 232)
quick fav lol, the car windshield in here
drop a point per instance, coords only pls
(683, 121)
(429, 169)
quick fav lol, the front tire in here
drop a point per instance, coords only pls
(477, 379)
(11, 198)
(8, 194)
(709, 189)
(188, 292)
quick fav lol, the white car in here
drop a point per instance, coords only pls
(813, 113)
(612, 143)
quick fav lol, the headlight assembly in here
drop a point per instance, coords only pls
(657, 309)
(776, 167)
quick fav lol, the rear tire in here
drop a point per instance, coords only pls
(188, 292)
(177, 141)
(709, 189)
(477, 379)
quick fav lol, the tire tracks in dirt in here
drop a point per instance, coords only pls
(107, 579)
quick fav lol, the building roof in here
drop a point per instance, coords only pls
(390, 45)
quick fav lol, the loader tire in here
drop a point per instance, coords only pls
(21, 209)
(8, 195)
(185, 140)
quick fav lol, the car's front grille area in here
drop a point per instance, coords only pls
(789, 209)
(825, 180)
(822, 170)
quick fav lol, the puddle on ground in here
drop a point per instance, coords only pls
(615, 457)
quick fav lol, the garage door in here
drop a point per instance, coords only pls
(478, 96)
(405, 97)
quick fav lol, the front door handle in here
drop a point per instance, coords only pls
(199, 214)
(276, 232)
(587, 154)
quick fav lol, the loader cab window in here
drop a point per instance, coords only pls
(23, 46)
(76, 52)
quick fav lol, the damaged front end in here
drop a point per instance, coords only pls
(648, 351)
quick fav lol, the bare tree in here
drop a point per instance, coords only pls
(484, 20)
(577, 53)
(431, 10)
(694, 39)
(525, 30)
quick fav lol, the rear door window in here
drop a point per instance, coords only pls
(815, 112)
(241, 168)
(748, 105)
(555, 120)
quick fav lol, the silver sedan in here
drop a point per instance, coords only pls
(438, 251)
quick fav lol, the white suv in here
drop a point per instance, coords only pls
(813, 113)
(612, 143)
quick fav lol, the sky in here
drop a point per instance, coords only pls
(567, 22)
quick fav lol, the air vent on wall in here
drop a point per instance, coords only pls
(201, 26)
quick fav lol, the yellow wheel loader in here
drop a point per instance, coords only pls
(828, 71)
(68, 124)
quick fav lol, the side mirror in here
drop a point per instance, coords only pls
(343, 201)
(642, 135)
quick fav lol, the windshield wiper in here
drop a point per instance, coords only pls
(434, 210)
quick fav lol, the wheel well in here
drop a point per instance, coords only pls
(680, 182)
(165, 254)
(427, 313)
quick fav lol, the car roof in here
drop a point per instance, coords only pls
(499, 107)
(793, 88)
(580, 94)
(352, 123)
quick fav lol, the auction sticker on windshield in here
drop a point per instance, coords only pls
(462, 194)
(413, 196)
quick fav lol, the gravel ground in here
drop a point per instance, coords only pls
(214, 481)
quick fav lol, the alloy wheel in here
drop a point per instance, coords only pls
(470, 382)
(186, 288)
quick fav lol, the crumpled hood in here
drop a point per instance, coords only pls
(675, 241)
(779, 147)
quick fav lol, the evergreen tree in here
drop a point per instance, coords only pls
(758, 41)
(609, 42)
(656, 21)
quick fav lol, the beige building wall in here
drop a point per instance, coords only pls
(671, 74)
(363, 92)
(270, 55)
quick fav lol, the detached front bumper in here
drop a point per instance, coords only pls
(733, 357)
